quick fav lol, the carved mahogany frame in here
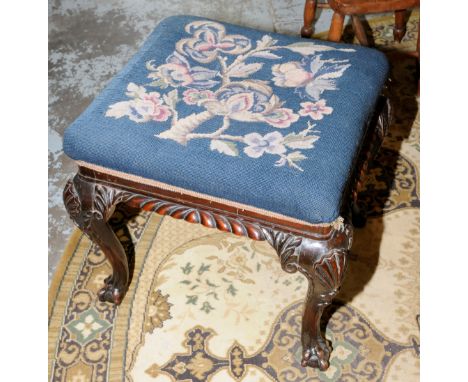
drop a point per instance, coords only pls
(319, 252)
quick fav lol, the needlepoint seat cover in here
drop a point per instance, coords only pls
(269, 121)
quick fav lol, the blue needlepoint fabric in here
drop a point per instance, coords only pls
(263, 119)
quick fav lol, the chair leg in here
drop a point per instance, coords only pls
(310, 8)
(336, 27)
(323, 262)
(399, 30)
(359, 30)
(90, 205)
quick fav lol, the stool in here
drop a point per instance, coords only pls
(258, 134)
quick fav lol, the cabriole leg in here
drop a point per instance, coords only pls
(323, 262)
(90, 206)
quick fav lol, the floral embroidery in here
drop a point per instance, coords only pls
(316, 110)
(272, 143)
(311, 77)
(228, 91)
(143, 107)
(177, 72)
(208, 40)
(194, 97)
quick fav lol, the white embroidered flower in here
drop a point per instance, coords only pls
(290, 75)
(271, 143)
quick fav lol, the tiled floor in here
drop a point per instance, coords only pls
(90, 41)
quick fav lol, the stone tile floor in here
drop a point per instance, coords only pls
(91, 40)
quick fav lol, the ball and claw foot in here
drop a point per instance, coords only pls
(317, 356)
(110, 292)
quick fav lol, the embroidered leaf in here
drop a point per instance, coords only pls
(265, 42)
(224, 147)
(171, 98)
(258, 85)
(150, 65)
(159, 83)
(308, 48)
(299, 141)
(244, 70)
(266, 54)
(135, 91)
(291, 160)
(296, 156)
(119, 109)
(336, 73)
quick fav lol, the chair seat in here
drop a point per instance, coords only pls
(261, 119)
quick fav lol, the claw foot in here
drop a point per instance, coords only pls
(317, 355)
(111, 293)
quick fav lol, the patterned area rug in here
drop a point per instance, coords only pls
(208, 306)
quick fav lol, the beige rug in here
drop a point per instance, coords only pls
(208, 306)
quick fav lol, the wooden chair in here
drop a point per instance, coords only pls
(356, 8)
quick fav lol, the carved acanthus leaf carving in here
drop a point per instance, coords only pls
(285, 245)
(71, 199)
(96, 205)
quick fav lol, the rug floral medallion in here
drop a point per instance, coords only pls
(208, 306)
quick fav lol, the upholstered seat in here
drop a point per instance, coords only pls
(259, 119)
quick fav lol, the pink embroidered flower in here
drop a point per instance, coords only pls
(143, 107)
(290, 74)
(281, 118)
(149, 108)
(271, 143)
(193, 96)
(316, 110)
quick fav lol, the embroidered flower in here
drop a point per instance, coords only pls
(316, 110)
(193, 96)
(280, 118)
(209, 38)
(143, 107)
(271, 143)
(290, 75)
(177, 72)
(311, 77)
(250, 102)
